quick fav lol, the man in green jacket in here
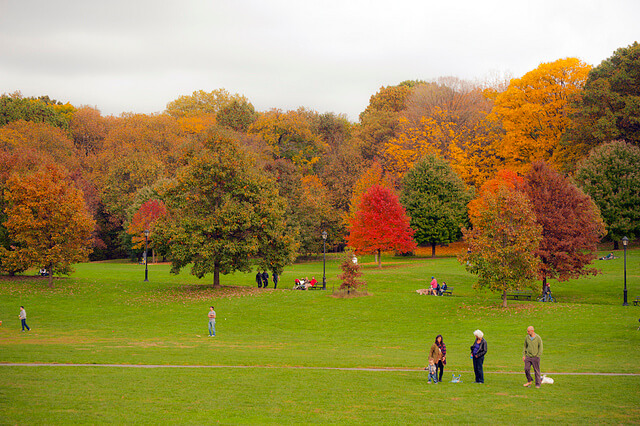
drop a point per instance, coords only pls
(531, 356)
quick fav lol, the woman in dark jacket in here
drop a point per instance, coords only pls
(443, 359)
(478, 351)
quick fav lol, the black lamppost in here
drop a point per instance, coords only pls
(324, 260)
(146, 269)
(625, 241)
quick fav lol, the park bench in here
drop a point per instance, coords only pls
(635, 302)
(519, 295)
(318, 286)
(447, 292)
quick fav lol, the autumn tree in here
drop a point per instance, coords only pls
(47, 218)
(201, 102)
(223, 214)
(448, 118)
(611, 176)
(89, 129)
(609, 107)
(291, 135)
(15, 107)
(502, 242)
(380, 224)
(144, 220)
(535, 110)
(436, 200)
(570, 220)
(237, 115)
(351, 273)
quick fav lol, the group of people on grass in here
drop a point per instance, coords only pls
(530, 356)
(305, 283)
(262, 279)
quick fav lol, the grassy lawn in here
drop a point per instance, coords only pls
(106, 314)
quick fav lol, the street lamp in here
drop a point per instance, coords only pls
(625, 241)
(324, 260)
(146, 269)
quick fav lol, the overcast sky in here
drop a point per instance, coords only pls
(138, 55)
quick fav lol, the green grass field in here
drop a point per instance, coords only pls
(292, 356)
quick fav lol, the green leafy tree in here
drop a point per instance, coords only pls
(610, 105)
(48, 221)
(223, 214)
(503, 241)
(436, 200)
(610, 175)
(237, 115)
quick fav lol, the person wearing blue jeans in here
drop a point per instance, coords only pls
(23, 318)
(478, 351)
(212, 322)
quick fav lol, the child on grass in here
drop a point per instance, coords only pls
(432, 371)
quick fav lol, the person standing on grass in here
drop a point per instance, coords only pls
(259, 279)
(212, 322)
(265, 279)
(23, 318)
(531, 356)
(275, 279)
(478, 351)
(443, 358)
(435, 356)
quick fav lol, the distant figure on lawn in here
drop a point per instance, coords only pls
(443, 356)
(274, 276)
(478, 351)
(212, 322)
(531, 356)
(259, 279)
(313, 282)
(434, 285)
(23, 318)
(432, 372)
(265, 279)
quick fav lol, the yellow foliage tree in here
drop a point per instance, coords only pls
(535, 111)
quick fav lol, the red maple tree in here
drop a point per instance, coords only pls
(144, 219)
(571, 224)
(380, 223)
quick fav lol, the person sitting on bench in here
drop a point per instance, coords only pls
(312, 283)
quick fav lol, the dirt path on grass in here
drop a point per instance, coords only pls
(26, 364)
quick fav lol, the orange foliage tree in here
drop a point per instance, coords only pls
(144, 220)
(535, 112)
(48, 221)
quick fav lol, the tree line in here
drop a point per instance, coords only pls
(223, 187)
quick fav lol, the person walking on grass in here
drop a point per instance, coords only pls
(259, 279)
(478, 351)
(212, 322)
(23, 318)
(434, 358)
(265, 279)
(275, 279)
(531, 356)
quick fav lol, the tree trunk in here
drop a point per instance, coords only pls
(153, 255)
(615, 245)
(216, 275)
(433, 249)
(544, 282)
(50, 276)
(504, 298)
(379, 259)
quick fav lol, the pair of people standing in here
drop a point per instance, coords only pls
(530, 355)
(262, 279)
(437, 360)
